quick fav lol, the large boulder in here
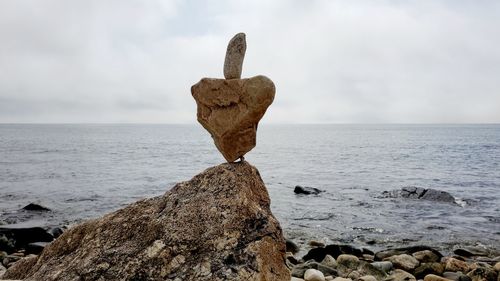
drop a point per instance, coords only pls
(217, 226)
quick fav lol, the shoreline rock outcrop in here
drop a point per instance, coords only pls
(217, 226)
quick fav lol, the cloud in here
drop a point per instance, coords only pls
(332, 61)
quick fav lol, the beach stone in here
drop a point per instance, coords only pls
(313, 275)
(428, 268)
(456, 276)
(36, 247)
(497, 267)
(453, 264)
(384, 266)
(483, 274)
(413, 192)
(432, 277)
(292, 246)
(296, 279)
(404, 262)
(401, 275)
(2, 270)
(314, 243)
(230, 111)
(329, 278)
(348, 261)
(20, 235)
(367, 278)
(300, 269)
(404, 250)
(235, 54)
(341, 279)
(291, 258)
(217, 226)
(306, 190)
(471, 251)
(329, 261)
(366, 268)
(354, 275)
(426, 256)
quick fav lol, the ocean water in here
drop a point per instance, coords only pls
(85, 171)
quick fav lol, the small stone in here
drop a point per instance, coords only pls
(292, 246)
(35, 207)
(456, 276)
(348, 261)
(385, 266)
(483, 274)
(314, 243)
(472, 251)
(426, 268)
(368, 257)
(401, 275)
(368, 269)
(432, 277)
(342, 279)
(453, 264)
(497, 267)
(404, 262)
(367, 278)
(306, 190)
(300, 269)
(354, 275)
(291, 258)
(426, 256)
(296, 279)
(235, 55)
(313, 275)
(329, 261)
(329, 278)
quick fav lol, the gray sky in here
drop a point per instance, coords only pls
(332, 61)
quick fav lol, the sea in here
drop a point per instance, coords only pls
(83, 171)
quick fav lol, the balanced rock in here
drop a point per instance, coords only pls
(217, 226)
(230, 110)
(235, 54)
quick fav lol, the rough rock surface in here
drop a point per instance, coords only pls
(235, 54)
(230, 110)
(217, 226)
(412, 192)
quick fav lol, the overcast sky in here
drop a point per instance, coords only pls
(332, 61)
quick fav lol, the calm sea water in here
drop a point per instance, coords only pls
(84, 171)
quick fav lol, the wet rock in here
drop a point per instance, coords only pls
(329, 261)
(348, 261)
(334, 250)
(404, 262)
(55, 231)
(368, 269)
(35, 207)
(424, 269)
(453, 264)
(426, 256)
(456, 276)
(342, 279)
(290, 258)
(412, 192)
(235, 54)
(313, 275)
(306, 190)
(401, 275)
(368, 258)
(218, 226)
(354, 275)
(230, 111)
(384, 266)
(483, 274)
(296, 279)
(497, 267)
(7, 243)
(21, 236)
(2, 270)
(36, 247)
(432, 277)
(314, 243)
(404, 250)
(300, 269)
(471, 251)
(292, 247)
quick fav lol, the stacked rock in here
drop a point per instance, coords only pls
(230, 109)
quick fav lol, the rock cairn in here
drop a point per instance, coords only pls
(230, 109)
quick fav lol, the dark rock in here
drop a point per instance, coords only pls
(456, 276)
(36, 247)
(55, 231)
(424, 269)
(217, 226)
(412, 192)
(404, 250)
(334, 250)
(471, 251)
(7, 244)
(22, 236)
(483, 274)
(306, 190)
(35, 207)
(291, 246)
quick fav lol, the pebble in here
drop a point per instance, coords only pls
(348, 261)
(367, 278)
(342, 279)
(235, 54)
(385, 266)
(432, 277)
(329, 261)
(456, 276)
(296, 279)
(483, 274)
(497, 267)
(314, 243)
(428, 268)
(404, 262)
(401, 275)
(454, 265)
(426, 256)
(314, 275)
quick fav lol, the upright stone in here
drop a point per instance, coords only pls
(234, 56)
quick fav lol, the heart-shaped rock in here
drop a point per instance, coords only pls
(231, 109)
